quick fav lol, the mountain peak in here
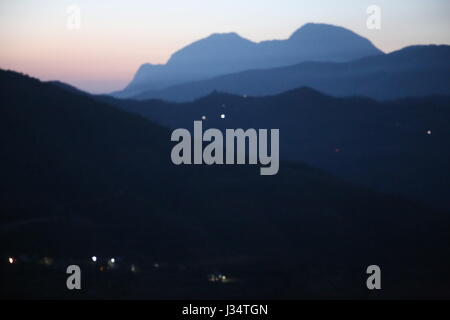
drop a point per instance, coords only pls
(319, 30)
(226, 35)
(218, 39)
(226, 53)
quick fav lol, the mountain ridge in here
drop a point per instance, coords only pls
(225, 53)
(79, 177)
(411, 71)
(358, 138)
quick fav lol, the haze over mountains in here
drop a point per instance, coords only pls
(221, 54)
(80, 177)
(84, 174)
(374, 139)
(412, 71)
(327, 58)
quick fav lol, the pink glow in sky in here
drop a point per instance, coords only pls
(116, 37)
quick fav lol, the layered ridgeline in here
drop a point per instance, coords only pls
(397, 147)
(221, 54)
(80, 177)
(412, 71)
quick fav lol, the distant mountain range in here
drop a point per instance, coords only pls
(412, 71)
(79, 176)
(398, 147)
(89, 174)
(221, 54)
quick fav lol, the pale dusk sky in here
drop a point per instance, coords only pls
(116, 37)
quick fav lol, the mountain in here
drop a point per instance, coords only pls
(396, 146)
(412, 71)
(67, 87)
(80, 177)
(226, 53)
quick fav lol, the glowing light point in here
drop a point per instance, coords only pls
(203, 117)
(429, 132)
(94, 258)
(222, 116)
(112, 260)
(11, 260)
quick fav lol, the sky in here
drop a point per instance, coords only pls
(115, 37)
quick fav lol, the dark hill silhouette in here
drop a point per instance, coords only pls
(412, 71)
(67, 87)
(80, 177)
(383, 145)
(226, 53)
